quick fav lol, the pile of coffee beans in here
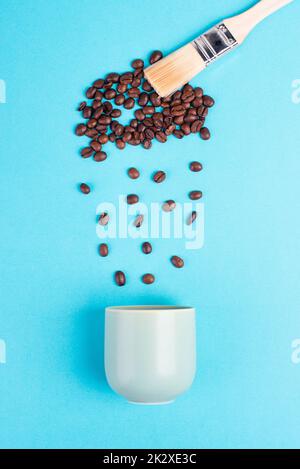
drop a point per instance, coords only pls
(154, 118)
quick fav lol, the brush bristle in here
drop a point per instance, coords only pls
(171, 73)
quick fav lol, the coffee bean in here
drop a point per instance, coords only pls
(197, 102)
(186, 129)
(116, 113)
(98, 112)
(205, 133)
(110, 94)
(169, 206)
(192, 217)
(85, 189)
(103, 219)
(177, 262)
(92, 133)
(120, 278)
(139, 114)
(155, 56)
(147, 144)
(146, 247)
(112, 137)
(86, 152)
(159, 177)
(106, 120)
(96, 105)
(81, 106)
(195, 195)
(95, 145)
(170, 129)
(103, 138)
(133, 173)
(148, 279)
(120, 144)
(178, 134)
(190, 118)
(132, 199)
(208, 101)
(149, 134)
(196, 126)
(137, 63)
(146, 86)
(129, 103)
(122, 88)
(100, 156)
(80, 130)
(138, 221)
(90, 93)
(178, 120)
(143, 99)
(119, 129)
(92, 123)
(161, 137)
(198, 92)
(103, 250)
(177, 110)
(120, 99)
(138, 73)
(148, 110)
(134, 92)
(107, 107)
(112, 77)
(195, 166)
(126, 137)
(98, 83)
(126, 78)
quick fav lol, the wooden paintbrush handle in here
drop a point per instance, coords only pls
(241, 25)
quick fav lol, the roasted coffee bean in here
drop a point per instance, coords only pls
(169, 205)
(204, 112)
(98, 83)
(112, 77)
(126, 78)
(146, 86)
(120, 278)
(155, 56)
(132, 199)
(178, 120)
(136, 82)
(80, 130)
(186, 129)
(158, 123)
(134, 123)
(98, 96)
(119, 99)
(146, 247)
(120, 144)
(133, 92)
(192, 218)
(90, 93)
(177, 110)
(122, 88)
(137, 63)
(170, 129)
(167, 112)
(112, 137)
(177, 262)
(81, 106)
(196, 126)
(147, 144)
(103, 250)
(107, 107)
(197, 102)
(92, 133)
(190, 118)
(149, 134)
(133, 173)
(126, 137)
(178, 134)
(208, 101)
(103, 219)
(98, 112)
(143, 99)
(139, 114)
(100, 156)
(85, 189)
(103, 138)
(148, 279)
(92, 123)
(102, 128)
(95, 145)
(116, 113)
(129, 103)
(159, 177)
(198, 92)
(155, 99)
(141, 127)
(195, 195)
(148, 122)
(104, 120)
(86, 152)
(195, 166)
(97, 104)
(161, 137)
(110, 94)
(119, 129)
(205, 133)
(148, 110)
(138, 221)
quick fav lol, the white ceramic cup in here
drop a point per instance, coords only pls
(150, 352)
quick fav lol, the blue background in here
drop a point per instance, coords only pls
(54, 287)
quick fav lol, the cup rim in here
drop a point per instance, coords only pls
(147, 308)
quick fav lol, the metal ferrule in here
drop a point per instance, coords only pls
(215, 43)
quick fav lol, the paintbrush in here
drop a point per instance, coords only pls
(172, 72)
